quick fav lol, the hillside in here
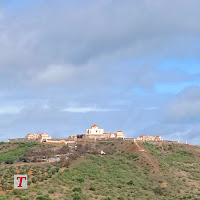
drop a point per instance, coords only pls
(128, 171)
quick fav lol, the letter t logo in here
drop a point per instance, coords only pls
(20, 181)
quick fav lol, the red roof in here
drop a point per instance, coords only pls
(119, 131)
(157, 135)
(94, 125)
(105, 133)
(142, 136)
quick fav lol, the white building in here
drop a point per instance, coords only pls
(31, 136)
(150, 138)
(94, 130)
(120, 134)
(43, 137)
(95, 133)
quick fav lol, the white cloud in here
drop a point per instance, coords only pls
(10, 110)
(150, 108)
(87, 109)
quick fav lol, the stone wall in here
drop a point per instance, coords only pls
(21, 140)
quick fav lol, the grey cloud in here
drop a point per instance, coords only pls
(186, 106)
(63, 33)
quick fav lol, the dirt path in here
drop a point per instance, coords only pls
(151, 161)
(155, 164)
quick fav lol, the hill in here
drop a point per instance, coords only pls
(129, 170)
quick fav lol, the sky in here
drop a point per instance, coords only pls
(121, 64)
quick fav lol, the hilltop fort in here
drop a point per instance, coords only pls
(92, 134)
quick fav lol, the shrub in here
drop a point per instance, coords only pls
(17, 192)
(22, 158)
(24, 198)
(107, 198)
(39, 193)
(92, 188)
(134, 156)
(158, 191)
(53, 171)
(43, 197)
(77, 189)
(76, 197)
(9, 160)
(10, 187)
(49, 175)
(3, 198)
(34, 180)
(130, 183)
(80, 180)
(51, 191)
(42, 178)
(57, 169)
(29, 182)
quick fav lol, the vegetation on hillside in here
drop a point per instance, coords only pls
(160, 171)
(16, 153)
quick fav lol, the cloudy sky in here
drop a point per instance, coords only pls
(123, 64)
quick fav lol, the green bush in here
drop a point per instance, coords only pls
(34, 180)
(158, 191)
(39, 193)
(29, 182)
(23, 158)
(107, 198)
(10, 187)
(9, 160)
(130, 183)
(134, 156)
(51, 191)
(76, 197)
(43, 197)
(24, 198)
(53, 171)
(77, 189)
(13, 154)
(92, 188)
(80, 180)
(3, 198)
(42, 178)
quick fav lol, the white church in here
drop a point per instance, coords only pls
(94, 130)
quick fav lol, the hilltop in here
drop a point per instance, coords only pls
(129, 170)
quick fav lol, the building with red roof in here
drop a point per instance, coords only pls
(96, 133)
(42, 137)
(150, 138)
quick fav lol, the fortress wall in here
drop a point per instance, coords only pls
(20, 140)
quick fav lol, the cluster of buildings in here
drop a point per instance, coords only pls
(150, 138)
(41, 137)
(94, 133)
